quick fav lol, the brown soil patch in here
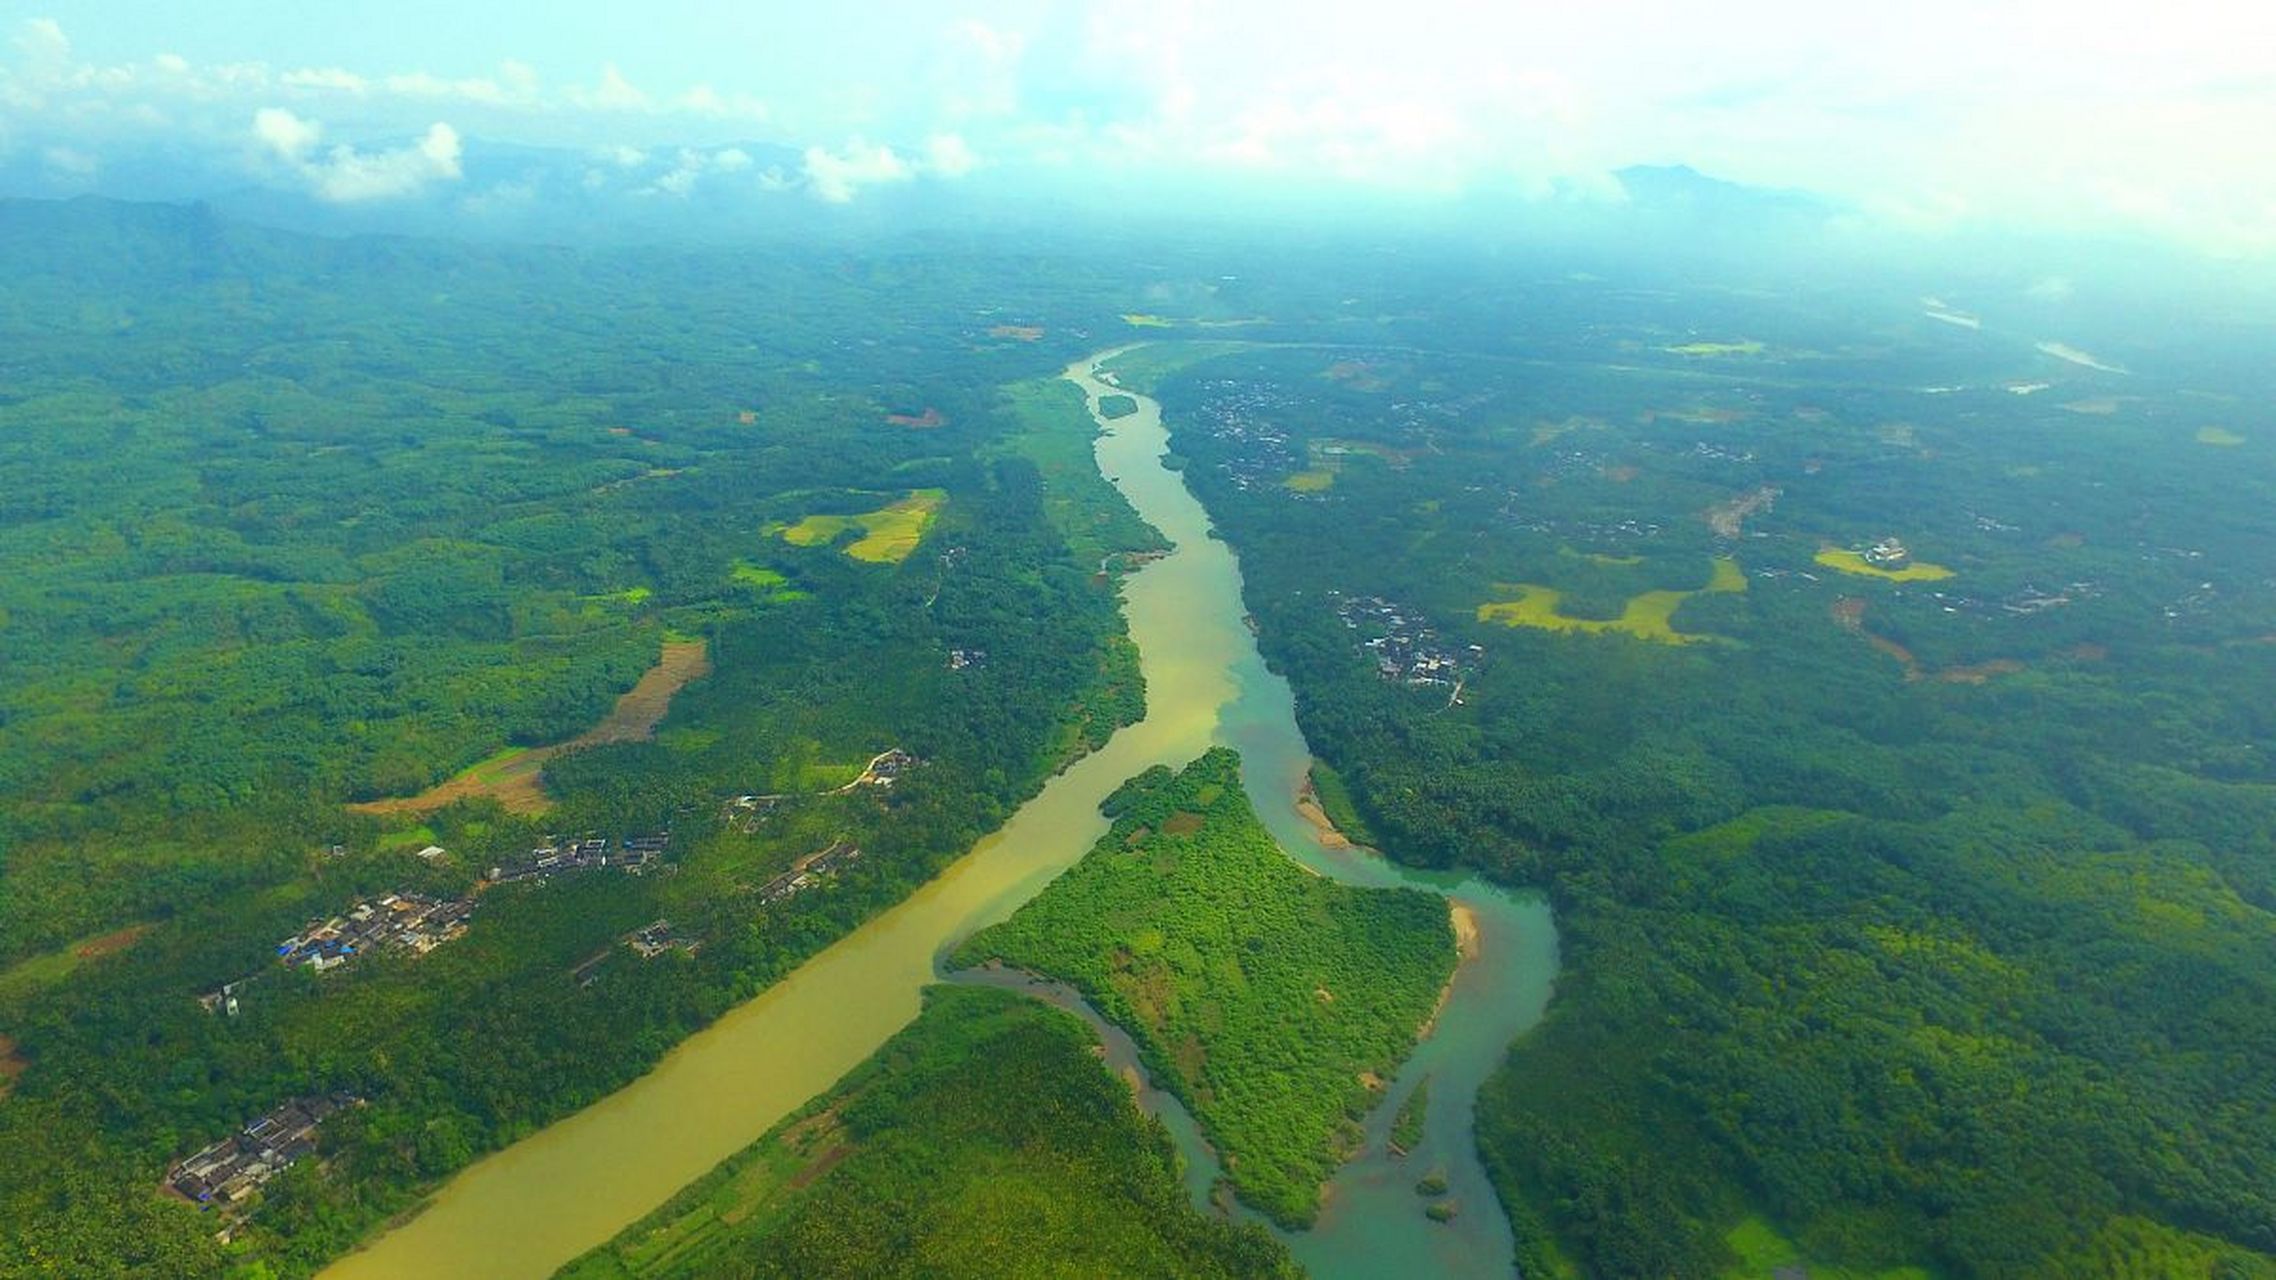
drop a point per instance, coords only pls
(1371, 1082)
(12, 1065)
(1981, 673)
(111, 943)
(1018, 332)
(1182, 823)
(620, 431)
(748, 417)
(1323, 995)
(1620, 474)
(831, 1159)
(1728, 519)
(2087, 652)
(1323, 828)
(925, 421)
(1849, 612)
(517, 780)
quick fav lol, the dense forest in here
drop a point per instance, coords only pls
(1265, 997)
(296, 525)
(1916, 901)
(986, 1139)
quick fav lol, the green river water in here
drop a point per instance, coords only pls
(532, 1207)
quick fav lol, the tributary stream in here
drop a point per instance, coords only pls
(532, 1207)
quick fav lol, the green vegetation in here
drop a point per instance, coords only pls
(1976, 979)
(1334, 795)
(1407, 1126)
(888, 534)
(1056, 434)
(1116, 406)
(984, 1140)
(301, 536)
(1854, 563)
(1649, 616)
(1265, 997)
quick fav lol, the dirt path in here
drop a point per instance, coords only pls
(516, 779)
(1849, 612)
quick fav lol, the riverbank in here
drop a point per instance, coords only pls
(527, 1210)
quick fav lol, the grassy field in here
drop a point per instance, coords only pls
(888, 534)
(1056, 435)
(1743, 347)
(515, 777)
(1269, 999)
(2220, 436)
(986, 1139)
(1763, 1252)
(1852, 562)
(1647, 617)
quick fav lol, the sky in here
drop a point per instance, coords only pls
(1933, 116)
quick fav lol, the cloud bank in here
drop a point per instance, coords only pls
(1939, 116)
(343, 174)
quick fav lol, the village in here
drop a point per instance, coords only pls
(809, 871)
(1237, 412)
(1406, 649)
(634, 856)
(223, 1177)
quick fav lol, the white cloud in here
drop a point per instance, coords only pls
(330, 78)
(612, 93)
(949, 156)
(836, 177)
(731, 160)
(286, 134)
(345, 174)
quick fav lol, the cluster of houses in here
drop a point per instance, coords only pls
(1242, 415)
(807, 872)
(224, 1176)
(634, 855)
(1888, 553)
(2031, 599)
(652, 940)
(966, 659)
(1406, 649)
(1604, 537)
(411, 921)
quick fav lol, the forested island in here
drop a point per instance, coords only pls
(1271, 1000)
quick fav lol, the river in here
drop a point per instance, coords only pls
(532, 1207)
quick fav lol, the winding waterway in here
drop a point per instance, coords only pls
(532, 1207)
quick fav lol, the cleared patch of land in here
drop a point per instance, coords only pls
(2220, 436)
(515, 777)
(1854, 563)
(1142, 320)
(888, 534)
(1646, 617)
(1728, 519)
(37, 972)
(1742, 347)
(1017, 332)
(1260, 994)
